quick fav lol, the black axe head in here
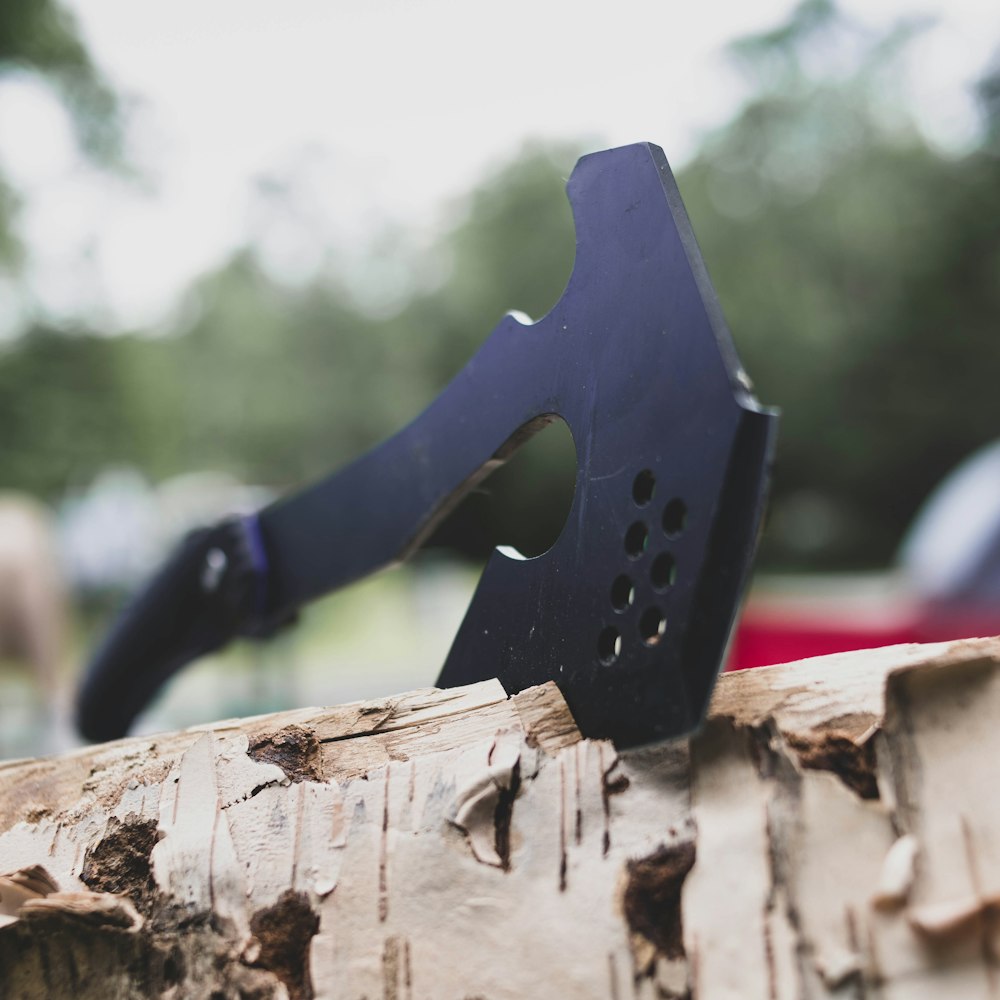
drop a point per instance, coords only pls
(631, 609)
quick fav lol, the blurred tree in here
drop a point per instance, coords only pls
(40, 39)
(859, 269)
(511, 247)
(860, 272)
(276, 383)
(71, 405)
(61, 398)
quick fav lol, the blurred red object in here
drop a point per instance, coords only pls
(946, 584)
(791, 619)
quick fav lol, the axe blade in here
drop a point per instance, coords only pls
(630, 611)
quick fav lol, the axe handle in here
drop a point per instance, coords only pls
(380, 508)
(376, 511)
(166, 625)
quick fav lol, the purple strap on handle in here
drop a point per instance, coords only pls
(258, 557)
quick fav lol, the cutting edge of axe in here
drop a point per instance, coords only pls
(636, 359)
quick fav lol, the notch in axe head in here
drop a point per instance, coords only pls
(630, 610)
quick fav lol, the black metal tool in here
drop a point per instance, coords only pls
(630, 610)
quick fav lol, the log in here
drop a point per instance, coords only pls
(833, 831)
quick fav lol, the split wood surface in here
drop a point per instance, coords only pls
(833, 831)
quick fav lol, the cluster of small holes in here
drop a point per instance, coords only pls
(662, 572)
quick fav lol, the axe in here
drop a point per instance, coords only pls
(630, 610)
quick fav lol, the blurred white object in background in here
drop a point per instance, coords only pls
(108, 536)
(196, 499)
(114, 534)
(951, 552)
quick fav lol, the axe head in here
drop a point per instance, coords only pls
(631, 609)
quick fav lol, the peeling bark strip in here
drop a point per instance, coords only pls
(489, 779)
(503, 815)
(463, 844)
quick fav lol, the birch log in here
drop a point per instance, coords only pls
(834, 831)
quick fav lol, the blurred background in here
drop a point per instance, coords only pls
(240, 243)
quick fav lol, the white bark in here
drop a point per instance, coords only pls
(833, 831)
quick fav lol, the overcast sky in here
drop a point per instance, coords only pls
(382, 111)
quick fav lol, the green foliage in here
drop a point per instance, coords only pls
(512, 250)
(69, 405)
(269, 377)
